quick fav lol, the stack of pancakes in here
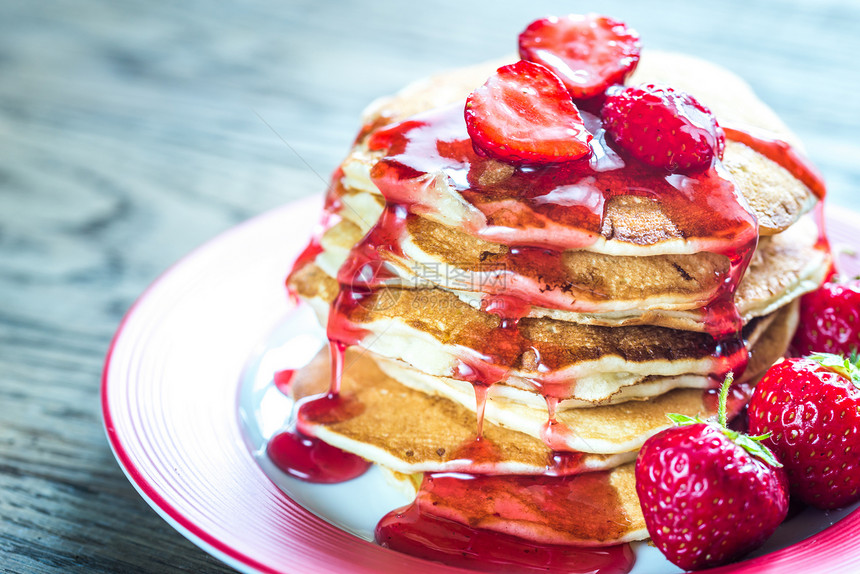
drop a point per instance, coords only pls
(577, 369)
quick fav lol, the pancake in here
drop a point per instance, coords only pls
(404, 428)
(426, 433)
(768, 342)
(601, 428)
(435, 331)
(663, 290)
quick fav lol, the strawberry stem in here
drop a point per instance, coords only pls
(724, 398)
(751, 444)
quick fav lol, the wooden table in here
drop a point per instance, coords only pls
(131, 132)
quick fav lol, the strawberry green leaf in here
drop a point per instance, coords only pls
(753, 445)
(839, 364)
(756, 448)
(683, 420)
(760, 437)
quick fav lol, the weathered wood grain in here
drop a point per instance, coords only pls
(130, 132)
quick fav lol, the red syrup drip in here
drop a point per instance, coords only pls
(823, 244)
(296, 451)
(283, 379)
(452, 518)
(782, 153)
(337, 354)
(483, 371)
(300, 454)
(366, 266)
(481, 392)
(553, 433)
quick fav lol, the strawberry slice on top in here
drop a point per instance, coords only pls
(523, 114)
(588, 52)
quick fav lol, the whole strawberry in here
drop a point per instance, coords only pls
(662, 127)
(709, 494)
(811, 408)
(830, 319)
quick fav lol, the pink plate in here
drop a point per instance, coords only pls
(170, 394)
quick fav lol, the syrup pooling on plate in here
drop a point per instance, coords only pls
(432, 538)
(310, 459)
(296, 450)
(283, 379)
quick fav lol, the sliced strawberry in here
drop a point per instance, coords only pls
(589, 53)
(524, 114)
(830, 319)
(662, 127)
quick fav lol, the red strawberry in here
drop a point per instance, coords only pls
(523, 114)
(709, 494)
(663, 127)
(589, 53)
(811, 408)
(830, 319)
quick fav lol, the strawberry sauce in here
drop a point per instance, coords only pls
(555, 206)
(784, 154)
(538, 212)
